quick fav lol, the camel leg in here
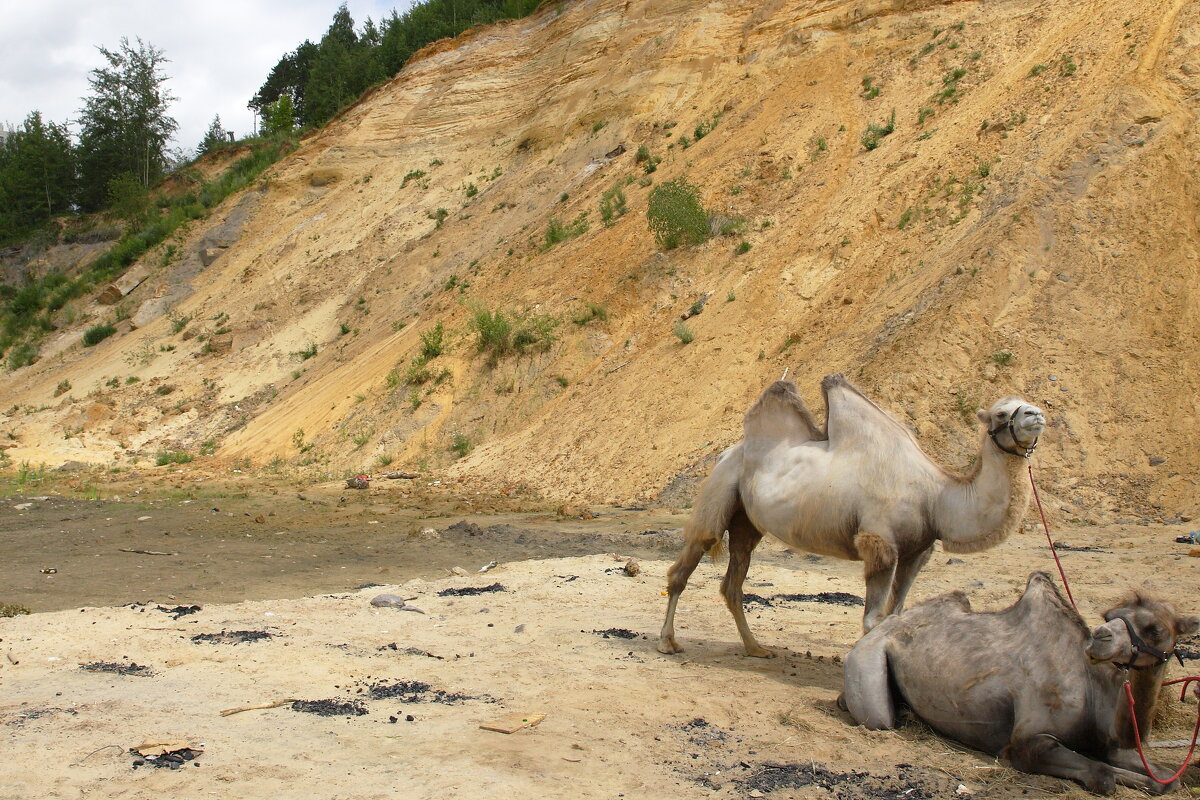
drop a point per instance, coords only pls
(743, 538)
(879, 568)
(1045, 755)
(1130, 772)
(677, 578)
(906, 573)
(867, 692)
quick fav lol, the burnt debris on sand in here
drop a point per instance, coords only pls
(617, 633)
(414, 692)
(409, 651)
(178, 611)
(1189, 648)
(231, 637)
(471, 591)
(118, 668)
(173, 759)
(329, 708)
(830, 598)
(769, 776)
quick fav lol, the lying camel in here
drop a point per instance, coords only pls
(1029, 684)
(861, 490)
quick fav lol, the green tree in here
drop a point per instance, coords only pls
(331, 83)
(288, 77)
(128, 198)
(213, 137)
(37, 176)
(279, 118)
(124, 125)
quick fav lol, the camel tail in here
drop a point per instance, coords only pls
(716, 503)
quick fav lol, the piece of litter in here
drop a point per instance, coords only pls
(143, 519)
(487, 566)
(511, 723)
(23, 506)
(162, 748)
(962, 789)
(256, 707)
(577, 760)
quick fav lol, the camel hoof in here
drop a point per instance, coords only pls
(669, 647)
(759, 652)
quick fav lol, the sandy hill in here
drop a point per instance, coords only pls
(1029, 227)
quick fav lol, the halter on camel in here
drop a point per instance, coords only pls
(1012, 432)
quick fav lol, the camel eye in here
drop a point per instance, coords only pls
(1154, 631)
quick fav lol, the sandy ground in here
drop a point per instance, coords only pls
(621, 719)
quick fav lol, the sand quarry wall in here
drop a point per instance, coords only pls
(1029, 227)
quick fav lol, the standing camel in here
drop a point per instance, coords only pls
(1029, 684)
(860, 490)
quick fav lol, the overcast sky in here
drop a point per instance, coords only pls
(220, 51)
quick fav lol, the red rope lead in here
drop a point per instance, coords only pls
(1053, 552)
(1137, 738)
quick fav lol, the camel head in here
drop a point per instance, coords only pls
(1014, 425)
(1139, 633)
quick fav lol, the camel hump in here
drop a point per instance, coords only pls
(780, 415)
(1042, 604)
(830, 381)
(851, 418)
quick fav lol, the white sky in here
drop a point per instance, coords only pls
(220, 51)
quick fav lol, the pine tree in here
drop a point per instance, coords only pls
(124, 125)
(213, 137)
(37, 176)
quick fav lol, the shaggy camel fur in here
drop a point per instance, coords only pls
(861, 490)
(1028, 683)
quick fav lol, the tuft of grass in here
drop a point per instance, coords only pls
(500, 333)
(433, 342)
(683, 333)
(612, 205)
(557, 232)
(12, 610)
(97, 334)
(949, 90)
(874, 133)
(412, 175)
(460, 444)
(591, 313)
(164, 457)
(742, 248)
(307, 353)
(869, 90)
(63, 387)
(676, 216)
(1002, 357)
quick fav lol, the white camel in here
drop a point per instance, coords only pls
(861, 490)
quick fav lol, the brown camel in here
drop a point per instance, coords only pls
(1029, 684)
(861, 490)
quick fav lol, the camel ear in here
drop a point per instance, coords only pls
(1186, 625)
(982, 415)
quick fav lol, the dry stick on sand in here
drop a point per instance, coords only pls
(145, 552)
(257, 706)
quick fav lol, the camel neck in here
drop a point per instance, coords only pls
(983, 508)
(1145, 684)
